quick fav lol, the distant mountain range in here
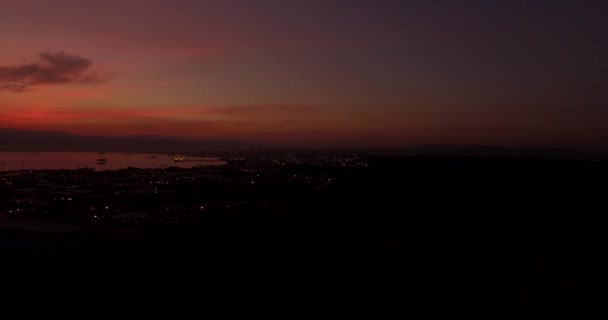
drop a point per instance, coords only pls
(491, 151)
(35, 140)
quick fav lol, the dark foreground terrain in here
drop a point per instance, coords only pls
(423, 238)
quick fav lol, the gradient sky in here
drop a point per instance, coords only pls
(316, 72)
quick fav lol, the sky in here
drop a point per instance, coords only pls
(310, 73)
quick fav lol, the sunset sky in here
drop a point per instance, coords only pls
(315, 72)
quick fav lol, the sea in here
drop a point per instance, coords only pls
(10, 161)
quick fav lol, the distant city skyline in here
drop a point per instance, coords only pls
(381, 73)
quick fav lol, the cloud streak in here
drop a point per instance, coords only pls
(52, 68)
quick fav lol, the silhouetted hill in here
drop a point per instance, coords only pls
(34, 140)
(38, 140)
(490, 151)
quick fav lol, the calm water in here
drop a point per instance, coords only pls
(74, 160)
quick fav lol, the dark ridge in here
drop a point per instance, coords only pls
(34, 140)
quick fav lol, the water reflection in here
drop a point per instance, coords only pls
(113, 161)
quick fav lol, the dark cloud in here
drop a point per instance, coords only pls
(52, 68)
